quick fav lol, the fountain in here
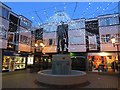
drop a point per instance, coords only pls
(61, 73)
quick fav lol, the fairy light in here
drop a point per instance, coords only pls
(74, 25)
(89, 3)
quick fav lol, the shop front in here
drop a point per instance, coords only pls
(102, 62)
(39, 62)
(79, 60)
(30, 60)
(46, 61)
(12, 61)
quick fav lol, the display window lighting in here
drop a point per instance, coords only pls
(18, 51)
(36, 45)
(10, 46)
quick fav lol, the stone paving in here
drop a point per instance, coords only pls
(25, 79)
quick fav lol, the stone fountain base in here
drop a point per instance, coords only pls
(76, 77)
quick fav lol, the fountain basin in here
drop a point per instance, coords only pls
(76, 77)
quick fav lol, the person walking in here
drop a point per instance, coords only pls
(90, 65)
(114, 66)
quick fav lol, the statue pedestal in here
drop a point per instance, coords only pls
(61, 64)
(61, 73)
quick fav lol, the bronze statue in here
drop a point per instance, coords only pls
(62, 38)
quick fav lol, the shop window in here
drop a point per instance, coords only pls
(13, 62)
(49, 60)
(25, 40)
(4, 13)
(105, 38)
(76, 40)
(94, 65)
(3, 36)
(53, 42)
(108, 21)
(76, 25)
(92, 46)
(39, 33)
(117, 37)
(25, 23)
(19, 62)
(108, 36)
(3, 32)
(5, 64)
(10, 37)
(17, 38)
(92, 42)
(50, 41)
(30, 60)
(46, 42)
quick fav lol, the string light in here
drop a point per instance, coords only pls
(67, 20)
(64, 8)
(89, 3)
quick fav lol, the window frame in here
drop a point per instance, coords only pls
(105, 38)
(108, 21)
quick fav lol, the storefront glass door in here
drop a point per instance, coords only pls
(103, 63)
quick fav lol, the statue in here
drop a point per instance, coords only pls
(63, 44)
(62, 38)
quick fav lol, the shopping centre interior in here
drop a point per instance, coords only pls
(87, 41)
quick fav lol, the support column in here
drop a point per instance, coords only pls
(1, 60)
(34, 56)
(118, 54)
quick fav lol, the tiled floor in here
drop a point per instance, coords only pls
(24, 79)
